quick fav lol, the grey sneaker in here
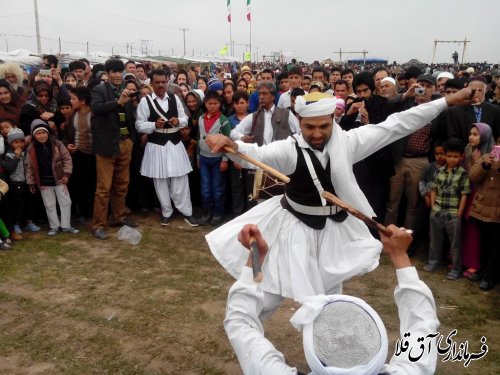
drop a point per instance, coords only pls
(70, 230)
(53, 231)
(191, 221)
(453, 275)
(4, 246)
(165, 220)
(100, 234)
(216, 220)
(32, 227)
(429, 267)
(205, 219)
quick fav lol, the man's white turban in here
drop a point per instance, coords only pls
(315, 104)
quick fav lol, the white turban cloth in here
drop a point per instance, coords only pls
(315, 104)
(389, 79)
(341, 335)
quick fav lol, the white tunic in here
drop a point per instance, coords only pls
(257, 355)
(162, 161)
(303, 261)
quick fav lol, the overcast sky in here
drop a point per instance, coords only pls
(309, 30)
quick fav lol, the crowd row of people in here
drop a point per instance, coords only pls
(98, 141)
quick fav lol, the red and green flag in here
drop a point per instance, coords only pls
(228, 10)
(249, 15)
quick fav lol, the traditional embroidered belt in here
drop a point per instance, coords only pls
(167, 130)
(313, 210)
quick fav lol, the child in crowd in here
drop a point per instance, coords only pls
(339, 110)
(49, 167)
(64, 115)
(212, 165)
(6, 126)
(238, 175)
(21, 201)
(421, 222)
(480, 143)
(78, 140)
(485, 173)
(449, 191)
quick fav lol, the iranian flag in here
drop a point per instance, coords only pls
(249, 15)
(228, 10)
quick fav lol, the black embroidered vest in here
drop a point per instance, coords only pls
(301, 190)
(162, 138)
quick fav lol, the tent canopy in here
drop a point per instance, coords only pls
(368, 60)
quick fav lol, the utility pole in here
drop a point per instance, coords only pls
(87, 48)
(6, 45)
(60, 45)
(37, 24)
(183, 29)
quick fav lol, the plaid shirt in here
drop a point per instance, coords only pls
(449, 188)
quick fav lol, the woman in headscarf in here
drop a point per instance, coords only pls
(194, 105)
(480, 143)
(10, 102)
(202, 84)
(40, 105)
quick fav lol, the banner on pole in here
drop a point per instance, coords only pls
(228, 10)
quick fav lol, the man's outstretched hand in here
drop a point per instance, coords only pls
(462, 97)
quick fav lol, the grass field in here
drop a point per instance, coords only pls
(72, 304)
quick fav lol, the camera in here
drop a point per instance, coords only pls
(419, 91)
(134, 94)
(45, 72)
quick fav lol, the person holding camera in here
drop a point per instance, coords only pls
(112, 143)
(161, 116)
(411, 154)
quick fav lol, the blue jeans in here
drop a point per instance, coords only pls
(212, 185)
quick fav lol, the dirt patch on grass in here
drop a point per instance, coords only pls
(77, 305)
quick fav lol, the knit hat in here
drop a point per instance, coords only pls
(39, 125)
(14, 134)
(214, 84)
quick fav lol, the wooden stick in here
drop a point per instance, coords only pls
(254, 252)
(259, 164)
(354, 212)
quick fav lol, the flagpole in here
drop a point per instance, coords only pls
(231, 39)
(250, 39)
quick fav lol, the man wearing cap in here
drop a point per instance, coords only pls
(461, 118)
(340, 333)
(410, 154)
(161, 116)
(78, 68)
(387, 88)
(112, 142)
(316, 246)
(441, 80)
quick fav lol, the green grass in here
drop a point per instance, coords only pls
(75, 305)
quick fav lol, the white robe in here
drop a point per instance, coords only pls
(303, 261)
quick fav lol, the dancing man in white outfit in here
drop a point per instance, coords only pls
(161, 115)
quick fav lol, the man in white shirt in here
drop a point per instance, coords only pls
(366, 352)
(268, 123)
(294, 80)
(161, 115)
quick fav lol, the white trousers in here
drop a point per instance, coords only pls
(52, 195)
(177, 190)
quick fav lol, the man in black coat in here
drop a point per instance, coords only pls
(461, 118)
(112, 142)
(374, 172)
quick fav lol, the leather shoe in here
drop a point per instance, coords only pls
(100, 234)
(126, 221)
